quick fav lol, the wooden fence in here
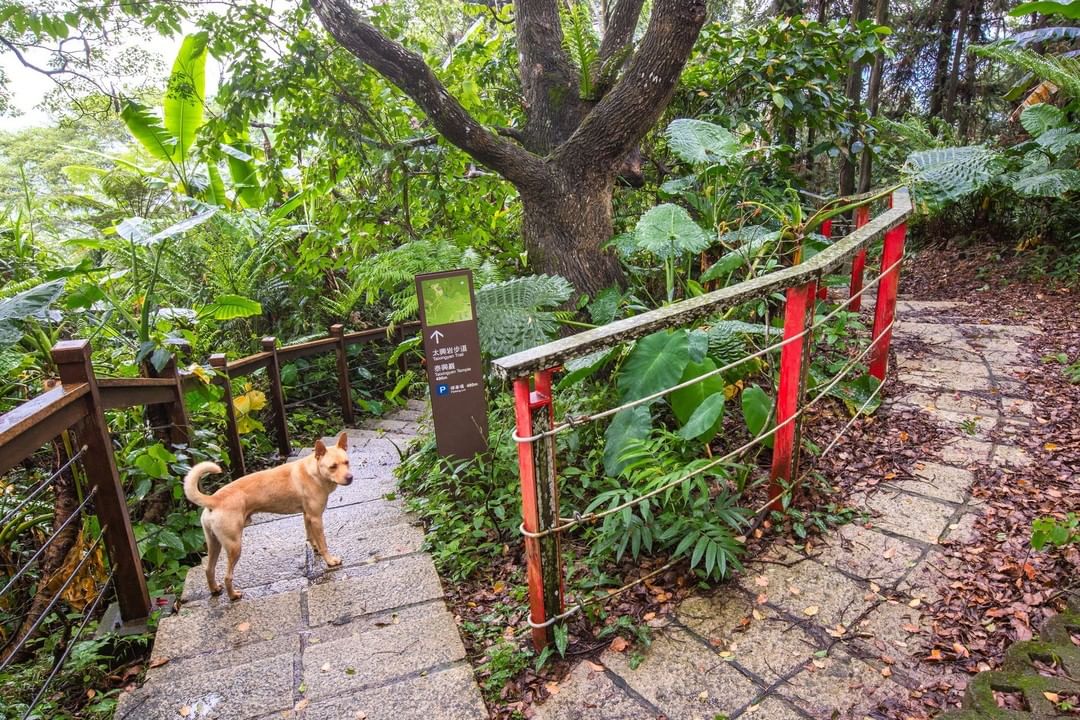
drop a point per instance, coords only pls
(78, 405)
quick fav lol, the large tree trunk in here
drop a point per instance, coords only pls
(949, 111)
(566, 228)
(853, 92)
(941, 65)
(572, 148)
(873, 97)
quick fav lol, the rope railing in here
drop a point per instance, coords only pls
(536, 428)
(75, 515)
(578, 420)
(88, 613)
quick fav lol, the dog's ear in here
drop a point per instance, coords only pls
(320, 449)
(343, 441)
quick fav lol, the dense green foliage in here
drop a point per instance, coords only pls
(307, 190)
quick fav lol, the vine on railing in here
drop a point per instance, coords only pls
(542, 525)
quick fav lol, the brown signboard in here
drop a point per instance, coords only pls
(454, 368)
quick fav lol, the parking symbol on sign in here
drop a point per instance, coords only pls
(442, 390)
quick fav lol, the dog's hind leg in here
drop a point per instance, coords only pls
(213, 552)
(232, 550)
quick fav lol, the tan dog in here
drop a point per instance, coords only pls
(300, 486)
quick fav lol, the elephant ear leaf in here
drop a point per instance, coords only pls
(185, 94)
(147, 129)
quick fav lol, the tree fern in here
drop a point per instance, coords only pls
(1064, 72)
(389, 276)
(582, 44)
(944, 175)
(519, 313)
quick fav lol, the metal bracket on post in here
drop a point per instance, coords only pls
(858, 263)
(885, 308)
(785, 461)
(72, 358)
(534, 413)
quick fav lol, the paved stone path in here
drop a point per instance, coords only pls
(803, 636)
(369, 640)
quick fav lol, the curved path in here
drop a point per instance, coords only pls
(798, 636)
(370, 640)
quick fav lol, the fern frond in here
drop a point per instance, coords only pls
(944, 175)
(582, 44)
(518, 314)
(1064, 72)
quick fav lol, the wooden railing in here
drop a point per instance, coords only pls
(78, 404)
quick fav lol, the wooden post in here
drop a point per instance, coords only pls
(826, 230)
(403, 359)
(337, 330)
(785, 441)
(539, 503)
(885, 308)
(232, 434)
(179, 432)
(858, 263)
(72, 359)
(277, 396)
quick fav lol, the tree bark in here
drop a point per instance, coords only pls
(572, 149)
(949, 111)
(853, 92)
(873, 97)
(941, 65)
(574, 213)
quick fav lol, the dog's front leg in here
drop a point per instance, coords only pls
(317, 537)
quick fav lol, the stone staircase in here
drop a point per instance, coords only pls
(371, 639)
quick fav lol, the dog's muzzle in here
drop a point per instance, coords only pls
(348, 479)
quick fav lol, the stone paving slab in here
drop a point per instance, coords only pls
(236, 692)
(372, 636)
(910, 515)
(683, 678)
(836, 686)
(444, 694)
(807, 590)
(868, 554)
(765, 643)
(776, 659)
(590, 692)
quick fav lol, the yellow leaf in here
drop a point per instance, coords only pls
(499, 587)
(811, 611)
(1050, 447)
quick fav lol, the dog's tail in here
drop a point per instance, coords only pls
(191, 484)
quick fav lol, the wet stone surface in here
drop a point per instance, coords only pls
(793, 637)
(306, 641)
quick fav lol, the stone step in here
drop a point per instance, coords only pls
(370, 638)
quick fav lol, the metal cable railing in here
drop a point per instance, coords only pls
(41, 487)
(536, 429)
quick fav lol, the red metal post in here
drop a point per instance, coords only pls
(885, 309)
(858, 263)
(530, 512)
(785, 442)
(826, 230)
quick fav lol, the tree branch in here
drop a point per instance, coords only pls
(411, 74)
(548, 80)
(632, 107)
(620, 28)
